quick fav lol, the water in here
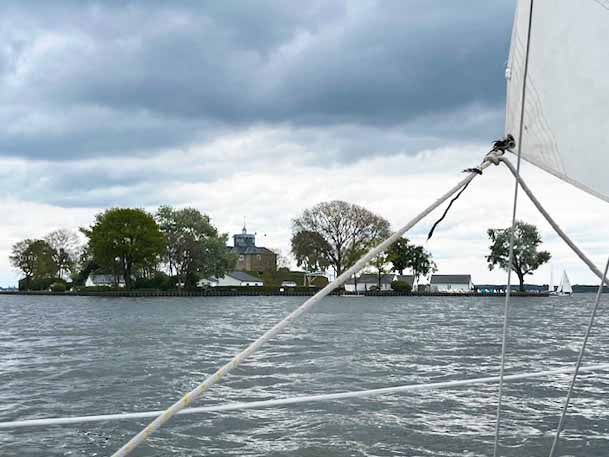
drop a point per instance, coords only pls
(62, 356)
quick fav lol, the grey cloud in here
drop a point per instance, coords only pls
(171, 74)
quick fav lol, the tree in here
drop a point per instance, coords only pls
(403, 255)
(526, 258)
(346, 230)
(311, 251)
(195, 249)
(67, 250)
(399, 255)
(35, 259)
(126, 240)
(379, 263)
(421, 263)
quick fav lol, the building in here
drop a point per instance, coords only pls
(103, 280)
(370, 281)
(233, 279)
(451, 283)
(251, 257)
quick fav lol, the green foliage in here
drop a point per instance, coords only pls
(421, 263)
(311, 251)
(399, 255)
(88, 266)
(40, 284)
(195, 249)
(275, 278)
(401, 286)
(336, 233)
(403, 255)
(58, 287)
(159, 281)
(127, 241)
(35, 259)
(526, 259)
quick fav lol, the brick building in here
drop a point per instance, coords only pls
(251, 257)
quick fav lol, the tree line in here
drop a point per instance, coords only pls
(175, 248)
(334, 235)
(171, 248)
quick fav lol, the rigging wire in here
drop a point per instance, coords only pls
(198, 391)
(579, 362)
(559, 231)
(278, 402)
(508, 289)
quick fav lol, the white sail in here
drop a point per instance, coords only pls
(565, 285)
(566, 120)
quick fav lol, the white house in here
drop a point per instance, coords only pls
(104, 280)
(451, 283)
(370, 281)
(234, 278)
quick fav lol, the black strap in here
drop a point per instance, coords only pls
(429, 235)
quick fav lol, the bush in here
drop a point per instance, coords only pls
(59, 287)
(39, 284)
(401, 286)
(159, 281)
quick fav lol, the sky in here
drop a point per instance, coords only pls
(258, 110)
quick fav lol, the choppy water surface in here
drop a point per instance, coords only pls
(78, 356)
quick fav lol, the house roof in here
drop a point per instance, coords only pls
(243, 277)
(244, 250)
(372, 278)
(451, 279)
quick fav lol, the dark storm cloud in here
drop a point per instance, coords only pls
(88, 79)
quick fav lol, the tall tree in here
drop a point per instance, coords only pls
(526, 259)
(379, 263)
(195, 249)
(35, 259)
(126, 239)
(67, 250)
(345, 228)
(421, 262)
(399, 255)
(403, 255)
(311, 251)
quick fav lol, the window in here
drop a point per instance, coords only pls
(258, 257)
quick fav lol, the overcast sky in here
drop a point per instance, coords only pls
(261, 109)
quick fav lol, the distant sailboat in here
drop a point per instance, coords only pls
(564, 288)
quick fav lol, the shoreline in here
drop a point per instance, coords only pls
(252, 292)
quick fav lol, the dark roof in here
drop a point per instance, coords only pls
(245, 250)
(243, 277)
(372, 278)
(451, 279)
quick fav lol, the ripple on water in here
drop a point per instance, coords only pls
(85, 355)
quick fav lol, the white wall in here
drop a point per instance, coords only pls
(364, 286)
(449, 287)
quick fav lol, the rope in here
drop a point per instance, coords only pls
(508, 290)
(560, 232)
(468, 170)
(499, 148)
(579, 362)
(188, 398)
(299, 400)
